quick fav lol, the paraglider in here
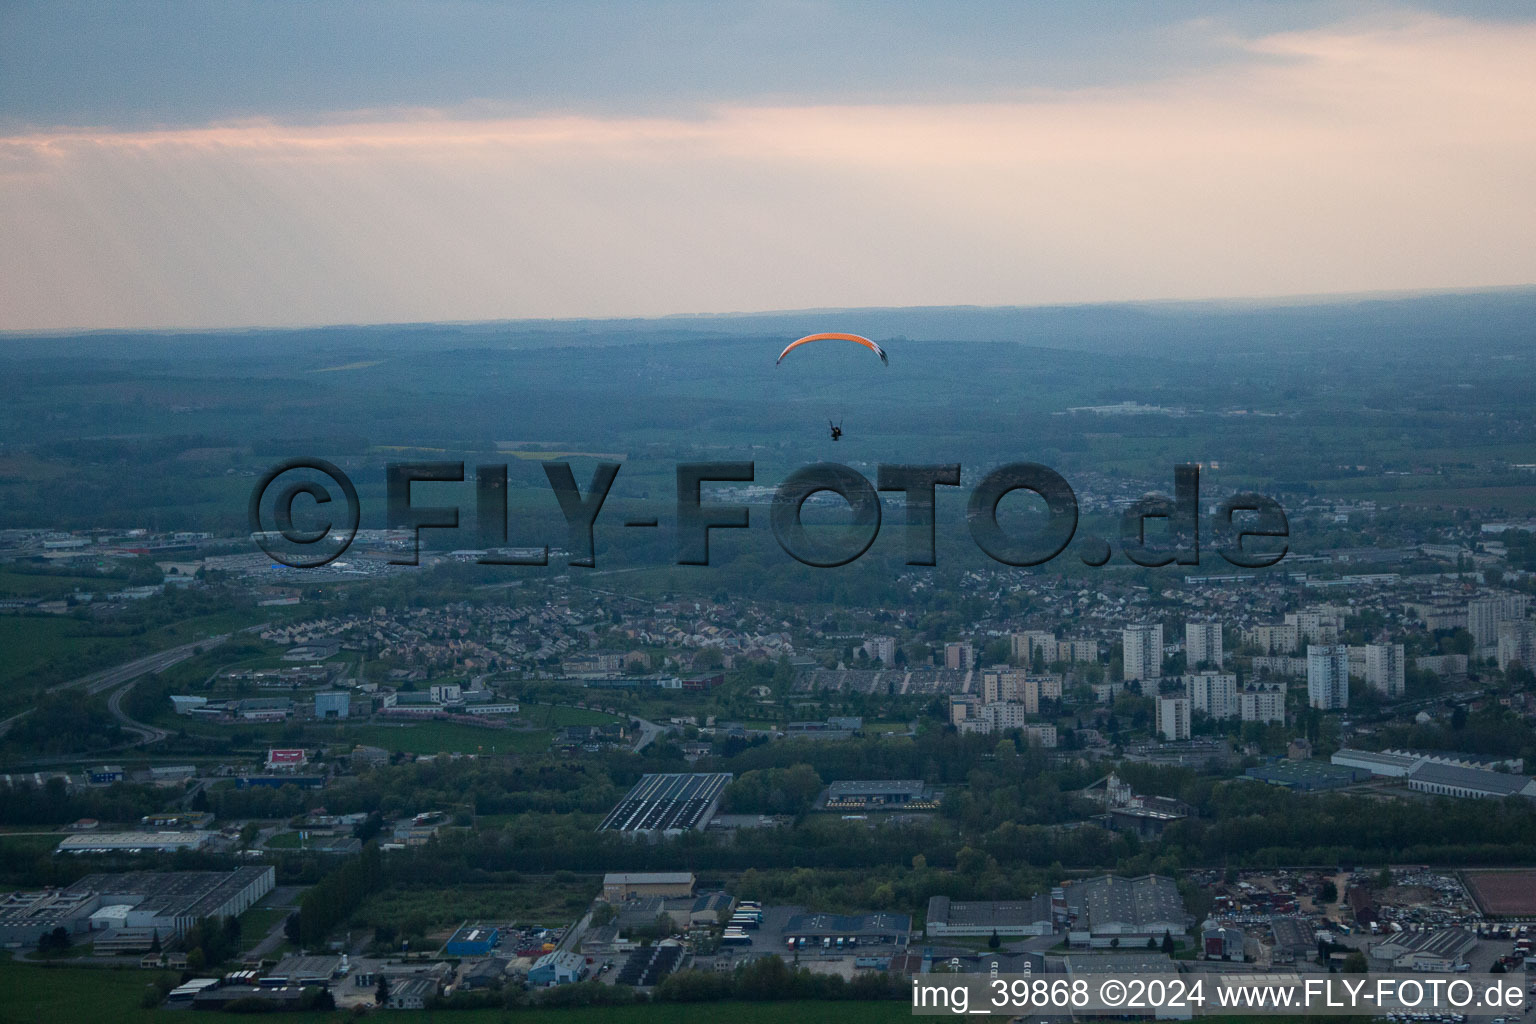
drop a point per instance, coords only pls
(855, 338)
(836, 429)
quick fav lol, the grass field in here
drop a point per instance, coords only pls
(48, 587)
(450, 737)
(42, 995)
(540, 900)
(35, 645)
(258, 921)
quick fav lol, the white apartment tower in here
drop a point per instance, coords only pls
(1202, 645)
(1173, 718)
(1262, 704)
(1214, 693)
(1143, 651)
(1328, 676)
(1384, 669)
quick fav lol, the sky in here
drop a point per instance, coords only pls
(231, 164)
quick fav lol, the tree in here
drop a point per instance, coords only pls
(381, 994)
(1168, 943)
(1151, 942)
(1355, 963)
(1329, 893)
(1384, 880)
(994, 940)
(56, 941)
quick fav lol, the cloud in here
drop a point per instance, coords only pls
(1396, 152)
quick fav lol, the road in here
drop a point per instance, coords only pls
(648, 732)
(284, 898)
(145, 733)
(125, 675)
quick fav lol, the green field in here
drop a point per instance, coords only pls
(55, 648)
(49, 587)
(258, 921)
(444, 737)
(540, 900)
(43, 995)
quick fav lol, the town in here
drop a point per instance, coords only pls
(1064, 758)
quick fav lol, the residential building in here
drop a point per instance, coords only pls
(1202, 645)
(1173, 718)
(1142, 655)
(881, 649)
(1002, 684)
(1264, 702)
(1022, 647)
(1517, 643)
(1214, 693)
(1484, 614)
(959, 656)
(1086, 651)
(1275, 639)
(1384, 669)
(1328, 676)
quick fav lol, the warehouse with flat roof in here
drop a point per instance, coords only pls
(1020, 917)
(133, 842)
(619, 886)
(125, 912)
(1111, 907)
(874, 794)
(868, 929)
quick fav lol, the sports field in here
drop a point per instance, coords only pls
(1504, 893)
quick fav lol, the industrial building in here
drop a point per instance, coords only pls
(619, 886)
(1221, 942)
(948, 917)
(412, 993)
(878, 794)
(1294, 939)
(557, 968)
(472, 940)
(1456, 780)
(128, 911)
(1441, 950)
(333, 704)
(133, 842)
(668, 804)
(1109, 907)
(1307, 776)
(866, 929)
(1439, 774)
(301, 971)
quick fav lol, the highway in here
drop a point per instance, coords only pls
(124, 676)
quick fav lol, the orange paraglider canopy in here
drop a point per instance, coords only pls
(857, 339)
